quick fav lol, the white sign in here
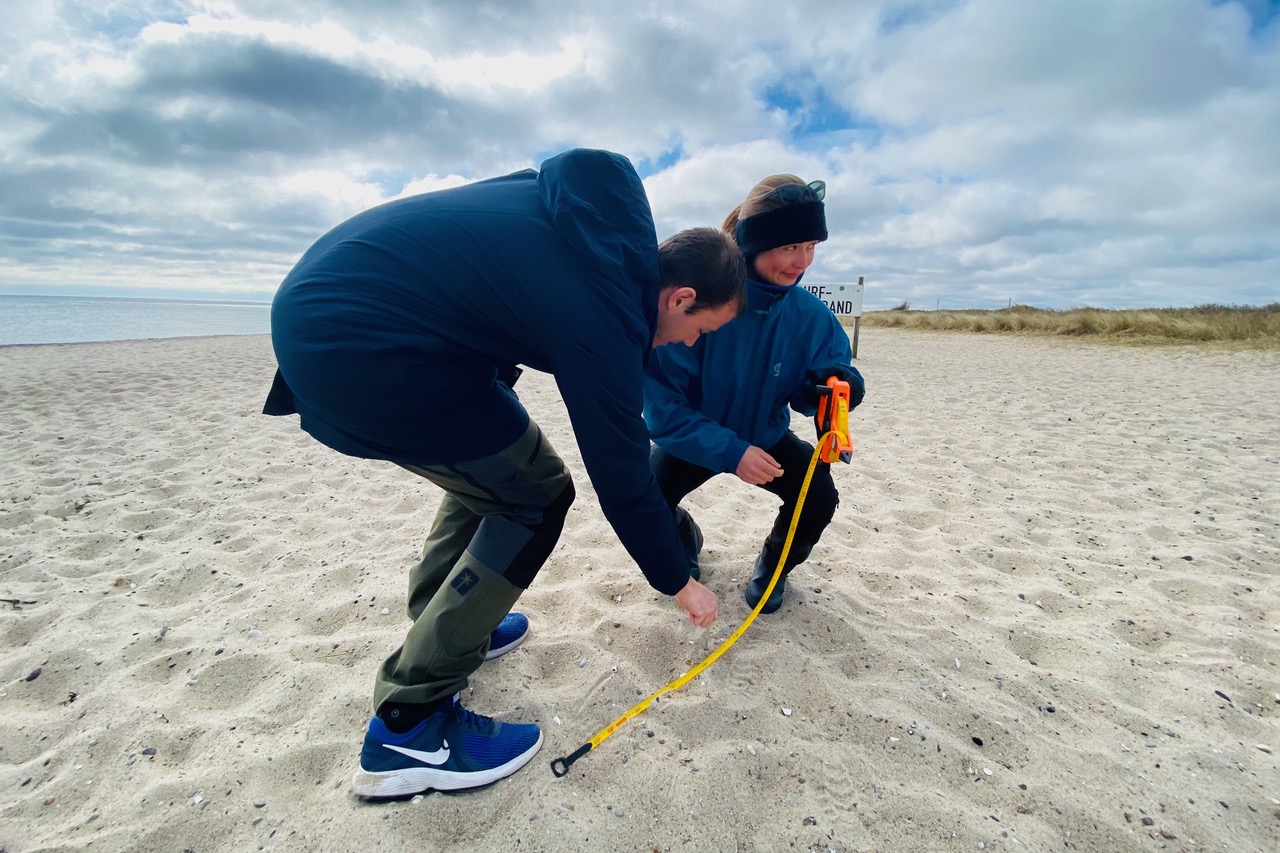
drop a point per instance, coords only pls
(844, 300)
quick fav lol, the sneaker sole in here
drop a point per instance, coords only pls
(416, 780)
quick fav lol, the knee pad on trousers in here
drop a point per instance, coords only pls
(524, 567)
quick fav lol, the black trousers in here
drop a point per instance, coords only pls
(677, 478)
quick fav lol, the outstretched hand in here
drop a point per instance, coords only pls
(699, 602)
(757, 467)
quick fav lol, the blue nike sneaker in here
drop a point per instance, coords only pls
(510, 633)
(451, 750)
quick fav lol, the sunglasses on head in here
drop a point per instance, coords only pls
(796, 193)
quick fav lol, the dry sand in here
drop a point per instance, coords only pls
(1045, 618)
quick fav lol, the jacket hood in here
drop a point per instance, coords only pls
(597, 202)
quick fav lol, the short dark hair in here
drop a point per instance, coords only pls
(708, 261)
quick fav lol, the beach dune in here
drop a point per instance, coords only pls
(1046, 617)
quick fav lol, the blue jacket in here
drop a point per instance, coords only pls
(393, 331)
(708, 403)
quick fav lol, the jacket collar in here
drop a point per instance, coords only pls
(762, 296)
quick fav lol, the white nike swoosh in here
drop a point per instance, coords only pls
(435, 759)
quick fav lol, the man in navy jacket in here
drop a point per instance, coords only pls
(397, 336)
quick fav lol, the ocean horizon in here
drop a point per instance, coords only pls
(26, 320)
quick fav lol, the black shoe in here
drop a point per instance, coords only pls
(759, 582)
(691, 538)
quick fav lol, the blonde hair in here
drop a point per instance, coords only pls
(752, 204)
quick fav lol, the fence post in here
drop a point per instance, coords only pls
(857, 323)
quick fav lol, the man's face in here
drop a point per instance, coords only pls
(677, 325)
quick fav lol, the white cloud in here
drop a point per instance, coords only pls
(975, 151)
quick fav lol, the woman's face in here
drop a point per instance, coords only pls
(785, 264)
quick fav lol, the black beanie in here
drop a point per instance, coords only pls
(803, 222)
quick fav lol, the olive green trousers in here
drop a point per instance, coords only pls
(498, 521)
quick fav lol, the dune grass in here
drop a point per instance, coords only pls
(1244, 327)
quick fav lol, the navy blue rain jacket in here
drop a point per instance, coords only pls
(734, 388)
(392, 331)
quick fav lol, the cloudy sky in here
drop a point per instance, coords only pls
(1115, 153)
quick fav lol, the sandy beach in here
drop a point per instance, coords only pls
(1046, 617)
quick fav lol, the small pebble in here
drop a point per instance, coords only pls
(417, 799)
(786, 712)
(986, 770)
(386, 610)
(1222, 695)
(751, 749)
(1164, 833)
(556, 720)
(255, 634)
(260, 804)
(197, 800)
(34, 674)
(1146, 821)
(1264, 748)
(151, 750)
(810, 821)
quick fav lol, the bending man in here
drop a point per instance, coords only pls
(397, 336)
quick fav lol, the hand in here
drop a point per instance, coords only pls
(699, 602)
(847, 372)
(757, 467)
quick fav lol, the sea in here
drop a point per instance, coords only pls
(76, 319)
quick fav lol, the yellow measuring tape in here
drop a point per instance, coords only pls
(560, 766)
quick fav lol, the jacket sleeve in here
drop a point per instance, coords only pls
(833, 351)
(603, 395)
(672, 386)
